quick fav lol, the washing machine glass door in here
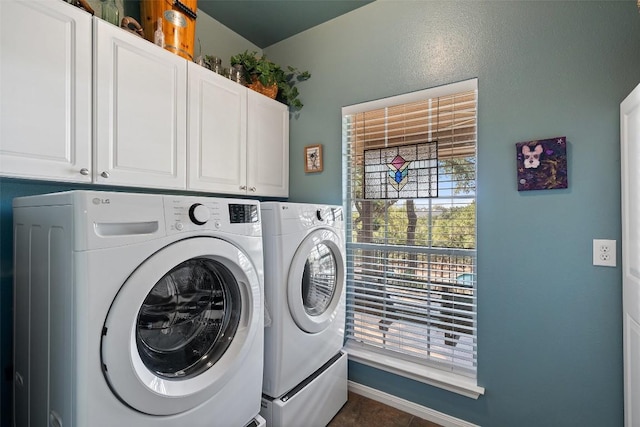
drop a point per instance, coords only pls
(316, 280)
(181, 326)
(189, 318)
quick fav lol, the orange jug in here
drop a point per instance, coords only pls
(178, 23)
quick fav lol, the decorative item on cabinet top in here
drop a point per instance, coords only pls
(178, 25)
(268, 78)
(131, 25)
(110, 12)
(82, 4)
(175, 19)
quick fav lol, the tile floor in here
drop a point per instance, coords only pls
(361, 411)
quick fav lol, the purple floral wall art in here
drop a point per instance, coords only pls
(542, 164)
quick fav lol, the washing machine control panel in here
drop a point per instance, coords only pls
(243, 213)
(201, 213)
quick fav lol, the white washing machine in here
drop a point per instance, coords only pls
(137, 310)
(305, 371)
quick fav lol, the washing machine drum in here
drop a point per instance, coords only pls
(189, 318)
(316, 280)
(174, 337)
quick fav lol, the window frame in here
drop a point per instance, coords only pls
(380, 358)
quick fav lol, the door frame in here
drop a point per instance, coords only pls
(630, 197)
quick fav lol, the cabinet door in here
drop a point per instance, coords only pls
(267, 147)
(45, 91)
(217, 120)
(140, 111)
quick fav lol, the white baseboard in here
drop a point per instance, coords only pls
(409, 407)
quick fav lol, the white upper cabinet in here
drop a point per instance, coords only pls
(82, 100)
(140, 111)
(217, 116)
(45, 91)
(267, 146)
(238, 138)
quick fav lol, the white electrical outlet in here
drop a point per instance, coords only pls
(604, 252)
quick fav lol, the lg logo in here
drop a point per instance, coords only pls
(99, 201)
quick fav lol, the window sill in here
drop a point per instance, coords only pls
(445, 380)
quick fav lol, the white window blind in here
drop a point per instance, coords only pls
(411, 261)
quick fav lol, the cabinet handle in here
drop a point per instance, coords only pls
(105, 174)
(243, 187)
(252, 189)
(84, 171)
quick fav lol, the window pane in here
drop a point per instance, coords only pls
(411, 281)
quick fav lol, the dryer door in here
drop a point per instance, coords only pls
(181, 326)
(316, 280)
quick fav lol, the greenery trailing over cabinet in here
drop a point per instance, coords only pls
(268, 73)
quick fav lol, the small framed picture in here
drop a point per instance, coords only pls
(313, 158)
(542, 164)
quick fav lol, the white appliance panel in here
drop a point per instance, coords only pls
(300, 340)
(315, 404)
(67, 277)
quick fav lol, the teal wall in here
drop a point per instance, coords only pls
(549, 323)
(550, 347)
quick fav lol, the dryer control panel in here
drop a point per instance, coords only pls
(286, 217)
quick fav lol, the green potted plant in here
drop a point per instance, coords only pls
(262, 74)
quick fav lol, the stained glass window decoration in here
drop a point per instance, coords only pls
(401, 172)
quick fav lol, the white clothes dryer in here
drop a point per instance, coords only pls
(137, 310)
(304, 250)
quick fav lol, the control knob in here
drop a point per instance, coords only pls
(199, 214)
